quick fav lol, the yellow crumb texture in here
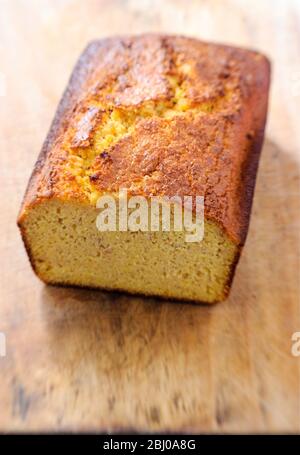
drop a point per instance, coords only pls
(68, 249)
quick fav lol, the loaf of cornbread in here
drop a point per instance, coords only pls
(158, 116)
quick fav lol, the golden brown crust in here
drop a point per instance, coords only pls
(202, 137)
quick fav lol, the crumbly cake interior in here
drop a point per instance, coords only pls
(68, 249)
(159, 116)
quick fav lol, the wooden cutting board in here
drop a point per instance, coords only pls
(93, 361)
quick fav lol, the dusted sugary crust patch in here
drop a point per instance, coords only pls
(151, 81)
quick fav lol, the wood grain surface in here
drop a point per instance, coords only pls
(91, 361)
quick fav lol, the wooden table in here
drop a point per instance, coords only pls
(92, 361)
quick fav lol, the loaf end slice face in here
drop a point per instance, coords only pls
(155, 116)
